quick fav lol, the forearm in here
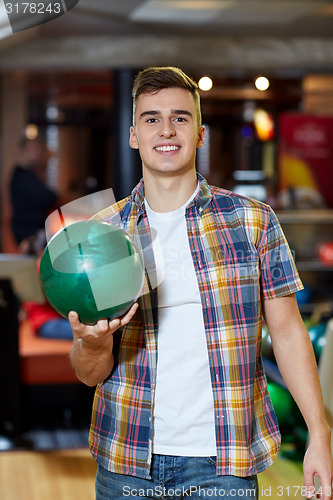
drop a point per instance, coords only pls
(92, 351)
(92, 366)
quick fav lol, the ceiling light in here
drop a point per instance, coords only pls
(262, 83)
(205, 83)
(31, 131)
(179, 11)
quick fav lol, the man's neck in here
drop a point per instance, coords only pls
(165, 194)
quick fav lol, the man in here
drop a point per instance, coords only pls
(181, 405)
(31, 199)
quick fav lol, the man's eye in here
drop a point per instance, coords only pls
(151, 120)
(180, 119)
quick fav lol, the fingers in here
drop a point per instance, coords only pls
(309, 485)
(129, 315)
(116, 323)
(324, 492)
(103, 324)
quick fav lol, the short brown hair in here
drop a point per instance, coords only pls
(156, 78)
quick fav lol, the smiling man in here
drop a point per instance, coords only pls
(167, 134)
(181, 405)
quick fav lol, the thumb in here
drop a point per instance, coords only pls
(73, 318)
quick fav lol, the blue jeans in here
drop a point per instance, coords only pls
(176, 478)
(56, 329)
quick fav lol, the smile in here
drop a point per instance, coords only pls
(167, 148)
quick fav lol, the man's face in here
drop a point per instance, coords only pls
(36, 154)
(166, 131)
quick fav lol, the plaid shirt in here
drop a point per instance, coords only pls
(240, 256)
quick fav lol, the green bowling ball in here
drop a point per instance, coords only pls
(93, 268)
(283, 403)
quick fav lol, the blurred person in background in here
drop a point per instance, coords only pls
(31, 198)
(46, 322)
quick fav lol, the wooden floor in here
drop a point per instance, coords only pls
(57, 475)
(283, 479)
(70, 475)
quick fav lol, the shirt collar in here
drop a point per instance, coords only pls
(201, 200)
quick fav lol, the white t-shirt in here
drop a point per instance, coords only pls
(183, 407)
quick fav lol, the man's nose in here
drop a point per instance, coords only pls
(167, 129)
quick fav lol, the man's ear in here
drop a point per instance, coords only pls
(201, 136)
(133, 142)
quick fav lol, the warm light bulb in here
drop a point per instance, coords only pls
(262, 83)
(31, 131)
(205, 83)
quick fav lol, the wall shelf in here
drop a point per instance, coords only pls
(306, 231)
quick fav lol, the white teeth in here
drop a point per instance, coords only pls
(167, 148)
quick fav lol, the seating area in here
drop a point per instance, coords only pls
(44, 361)
(48, 399)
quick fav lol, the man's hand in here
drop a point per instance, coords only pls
(318, 462)
(91, 354)
(101, 334)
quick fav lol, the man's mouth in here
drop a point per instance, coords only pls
(166, 149)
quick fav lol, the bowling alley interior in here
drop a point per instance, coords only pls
(265, 74)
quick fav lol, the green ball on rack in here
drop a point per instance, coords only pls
(283, 403)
